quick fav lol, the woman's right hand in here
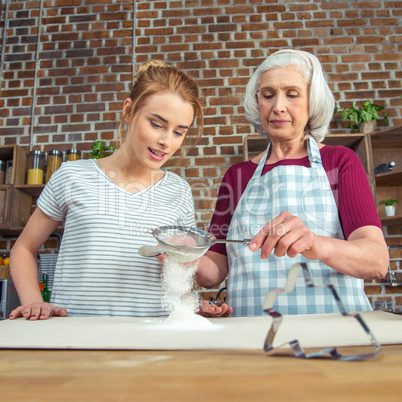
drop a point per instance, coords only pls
(37, 311)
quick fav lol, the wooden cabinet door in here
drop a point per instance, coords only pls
(5, 205)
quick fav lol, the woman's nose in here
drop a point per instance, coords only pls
(165, 139)
(279, 104)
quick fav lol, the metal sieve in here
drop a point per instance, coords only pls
(184, 243)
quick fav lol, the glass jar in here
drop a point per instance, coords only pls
(72, 155)
(9, 171)
(36, 167)
(384, 305)
(54, 159)
(2, 172)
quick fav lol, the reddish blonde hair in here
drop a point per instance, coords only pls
(155, 77)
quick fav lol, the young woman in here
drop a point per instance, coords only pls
(108, 207)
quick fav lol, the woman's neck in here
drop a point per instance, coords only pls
(123, 171)
(280, 150)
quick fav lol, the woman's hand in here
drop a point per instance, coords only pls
(208, 309)
(286, 234)
(37, 311)
(363, 255)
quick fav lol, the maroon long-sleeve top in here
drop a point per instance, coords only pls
(346, 175)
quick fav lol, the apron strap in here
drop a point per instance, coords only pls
(260, 167)
(313, 151)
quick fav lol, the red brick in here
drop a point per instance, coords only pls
(217, 161)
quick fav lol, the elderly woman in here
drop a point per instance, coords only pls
(299, 201)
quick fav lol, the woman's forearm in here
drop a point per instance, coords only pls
(364, 255)
(212, 269)
(23, 256)
(24, 273)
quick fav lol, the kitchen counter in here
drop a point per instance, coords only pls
(131, 359)
(217, 375)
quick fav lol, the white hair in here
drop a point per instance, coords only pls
(321, 99)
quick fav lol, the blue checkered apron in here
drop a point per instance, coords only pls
(306, 193)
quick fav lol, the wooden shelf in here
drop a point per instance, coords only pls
(386, 147)
(389, 179)
(391, 220)
(388, 138)
(32, 189)
(19, 156)
(346, 140)
(13, 232)
(253, 145)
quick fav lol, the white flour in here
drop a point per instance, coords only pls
(179, 297)
(184, 256)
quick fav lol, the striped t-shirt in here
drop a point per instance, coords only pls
(99, 271)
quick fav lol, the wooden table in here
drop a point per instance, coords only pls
(74, 375)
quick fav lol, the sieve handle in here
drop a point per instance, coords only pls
(245, 242)
(150, 251)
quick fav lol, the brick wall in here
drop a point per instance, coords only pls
(67, 66)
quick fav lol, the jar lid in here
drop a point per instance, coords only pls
(73, 151)
(36, 153)
(55, 152)
(2, 165)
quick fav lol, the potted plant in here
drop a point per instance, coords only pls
(100, 150)
(389, 206)
(364, 119)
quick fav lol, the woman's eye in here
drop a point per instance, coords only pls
(293, 95)
(156, 125)
(267, 96)
(179, 133)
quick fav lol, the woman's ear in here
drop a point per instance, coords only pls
(127, 110)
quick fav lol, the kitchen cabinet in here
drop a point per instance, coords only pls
(15, 204)
(5, 204)
(387, 147)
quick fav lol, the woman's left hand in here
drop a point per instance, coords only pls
(286, 234)
(208, 309)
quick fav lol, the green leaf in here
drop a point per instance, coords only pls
(98, 146)
(388, 202)
(366, 116)
(98, 150)
(354, 116)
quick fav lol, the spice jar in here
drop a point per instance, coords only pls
(36, 165)
(54, 159)
(9, 171)
(72, 155)
(2, 172)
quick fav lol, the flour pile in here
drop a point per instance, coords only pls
(179, 298)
